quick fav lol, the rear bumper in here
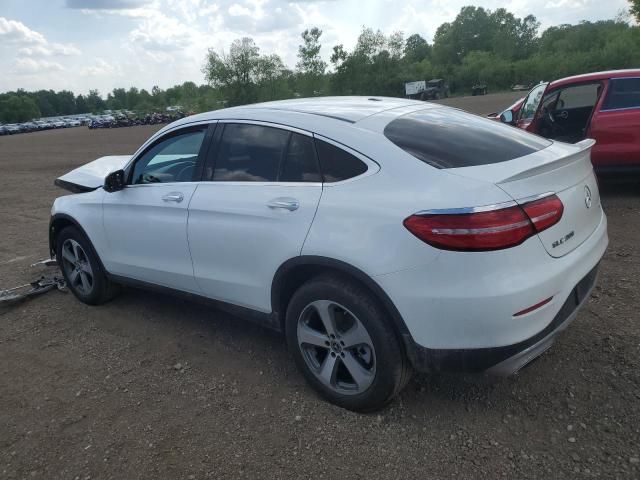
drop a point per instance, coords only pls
(504, 360)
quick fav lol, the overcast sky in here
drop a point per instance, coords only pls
(83, 44)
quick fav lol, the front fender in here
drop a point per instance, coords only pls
(83, 210)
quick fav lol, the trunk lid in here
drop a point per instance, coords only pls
(561, 169)
(91, 175)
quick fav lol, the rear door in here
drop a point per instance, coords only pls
(255, 210)
(616, 126)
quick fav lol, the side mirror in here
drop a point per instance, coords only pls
(507, 117)
(114, 181)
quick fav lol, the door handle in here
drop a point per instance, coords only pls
(285, 203)
(173, 197)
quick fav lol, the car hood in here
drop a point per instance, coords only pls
(91, 175)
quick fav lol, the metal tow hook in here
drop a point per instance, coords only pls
(43, 284)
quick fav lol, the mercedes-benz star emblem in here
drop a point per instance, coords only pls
(587, 196)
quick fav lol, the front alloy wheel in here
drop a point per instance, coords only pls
(336, 347)
(77, 267)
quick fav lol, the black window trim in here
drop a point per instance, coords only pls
(209, 126)
(212, 156)
(609, 82)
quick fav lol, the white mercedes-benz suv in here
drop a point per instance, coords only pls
(381, 235)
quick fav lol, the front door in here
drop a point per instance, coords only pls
(527, 114)
(146, 222)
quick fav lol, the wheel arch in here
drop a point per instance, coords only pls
(295, 271)
(59, 222)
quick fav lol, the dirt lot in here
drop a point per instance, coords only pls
(153, 387)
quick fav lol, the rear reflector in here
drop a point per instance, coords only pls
(486, 230)
(533, 307)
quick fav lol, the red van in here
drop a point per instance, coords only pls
(604, 106)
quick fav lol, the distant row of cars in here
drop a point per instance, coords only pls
(111, 119)
(38, 125)
(131, 119)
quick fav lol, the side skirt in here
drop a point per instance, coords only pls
(267, 320)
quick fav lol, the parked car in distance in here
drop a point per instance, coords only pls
(3, 130)
(13, 128)
(29, 126)
(604, 106)
(321, 226)
(479, 89)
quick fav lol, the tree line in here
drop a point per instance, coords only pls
(479, 46)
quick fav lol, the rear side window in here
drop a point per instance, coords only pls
(300, 164)
(336, 164)
(448, 138)
(623, 93)
(250, 153)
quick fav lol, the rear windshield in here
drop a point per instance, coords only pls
(449, 138)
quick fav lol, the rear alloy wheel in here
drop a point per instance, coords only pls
(336, 347)
(343, 342)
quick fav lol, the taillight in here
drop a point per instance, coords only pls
(544, 213)
(486, 230)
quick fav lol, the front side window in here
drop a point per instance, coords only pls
(623, 93)
(530, 105)
(170, 160)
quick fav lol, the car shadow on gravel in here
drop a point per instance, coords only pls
(175, 332)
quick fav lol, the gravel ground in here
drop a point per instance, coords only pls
(153, 387)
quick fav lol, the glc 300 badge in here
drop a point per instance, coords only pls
(559, 242)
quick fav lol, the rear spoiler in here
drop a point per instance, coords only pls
(583, 146)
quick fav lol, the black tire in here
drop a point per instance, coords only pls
(392, 368)
(101, 288)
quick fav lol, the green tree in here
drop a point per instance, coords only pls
(243, 74)
(95, 103)
(310, 64)
(635, 9)
(416, 49)
(18, 108)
